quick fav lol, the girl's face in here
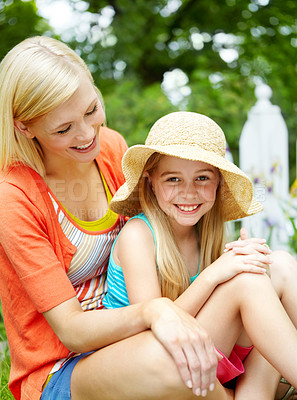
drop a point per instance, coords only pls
(70, 132)
(185, 190)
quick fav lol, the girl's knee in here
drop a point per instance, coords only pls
(283, 260)
(247, 281)
(283, 270)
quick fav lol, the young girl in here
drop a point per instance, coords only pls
(180, 189)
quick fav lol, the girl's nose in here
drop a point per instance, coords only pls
(189, 190)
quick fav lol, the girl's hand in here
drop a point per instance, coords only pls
(188, 343)
(246, 245)
(231, 264)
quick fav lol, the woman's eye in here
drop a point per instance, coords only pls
(202, 178)
(64, 131)
(93, 110)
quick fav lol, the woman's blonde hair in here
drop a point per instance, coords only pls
(172, 271)
(36, 76)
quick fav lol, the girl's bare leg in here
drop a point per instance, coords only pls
(138, 368)
(284, 280)
(268, 326)
(260, 377)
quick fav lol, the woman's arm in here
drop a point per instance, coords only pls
(83, 331)
(189, 345)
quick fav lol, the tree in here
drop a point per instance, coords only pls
(221, 46)
(18, 20)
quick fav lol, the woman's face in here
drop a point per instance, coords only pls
(185, 190)
(70, 132)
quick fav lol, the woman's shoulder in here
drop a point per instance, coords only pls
(111, 140)
(21, 182)
(19, 175)
(112, 149)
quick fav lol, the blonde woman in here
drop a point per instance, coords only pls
(59, 167)
(179, 190)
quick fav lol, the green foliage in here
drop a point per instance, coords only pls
(150, 40)
(2, 327)
(293, 238)
(18, 20)
(132, 110)
(5, 393)
(147, 38)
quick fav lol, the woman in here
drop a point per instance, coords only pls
(59, 169)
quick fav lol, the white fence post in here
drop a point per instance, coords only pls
(263, 151)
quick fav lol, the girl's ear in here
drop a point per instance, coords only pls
(23, 129)
(149, 179)
(147, 176)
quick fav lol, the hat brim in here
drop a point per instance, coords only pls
(236, 191)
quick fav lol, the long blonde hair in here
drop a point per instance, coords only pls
(36, 76)
(172, 271)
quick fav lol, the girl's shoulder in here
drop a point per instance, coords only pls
(138, 230)
(136, 239)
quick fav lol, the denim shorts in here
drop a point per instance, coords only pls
(58, 387)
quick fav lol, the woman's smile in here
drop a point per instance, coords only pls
(86, 147)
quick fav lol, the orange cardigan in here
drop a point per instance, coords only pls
(34, 258)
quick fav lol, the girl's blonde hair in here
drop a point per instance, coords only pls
(172, 271)
(36, 76)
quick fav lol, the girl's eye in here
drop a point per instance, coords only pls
(93, 110)
(65, 130)
(173, 179)
(202, 178)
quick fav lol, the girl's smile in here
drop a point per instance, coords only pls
(188, 208)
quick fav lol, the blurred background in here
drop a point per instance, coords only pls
(151, 57)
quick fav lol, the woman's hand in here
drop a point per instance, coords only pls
(187, 342)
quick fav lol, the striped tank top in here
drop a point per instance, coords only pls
(93, 240)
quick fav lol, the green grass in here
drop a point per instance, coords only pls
(5, 393)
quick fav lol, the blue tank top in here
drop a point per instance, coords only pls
(117, 295)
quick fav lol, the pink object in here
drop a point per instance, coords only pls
(230, 368)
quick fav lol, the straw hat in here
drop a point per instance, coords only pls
(190, 136)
